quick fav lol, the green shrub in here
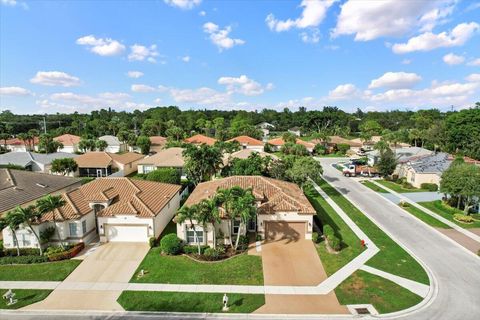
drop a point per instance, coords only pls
(165, 175)
(23, 259)
(56, 249)
(334, 243)
(171, 244)
(463, 218)
(343, 148)
(328, 231)
(221, 250)
(429, 186)
(243, 243)
(46, 234)
(315, 237)
(319, 149)
(152, 241)
(407, 185)
(192, 249)
(404, 204)
(211, 254)
(23, 252)
(258, 237)
(268, 147)
(69, 253)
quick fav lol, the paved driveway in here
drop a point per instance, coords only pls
(110, 263)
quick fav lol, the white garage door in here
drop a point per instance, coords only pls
(120, 233)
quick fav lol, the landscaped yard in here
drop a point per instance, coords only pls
(447, 212)
(48, 271)
(24, 297)
(189, 302)
(391, 258)
(350, 243)
(365, 288)
(399, 188)
(373, 186)
(428, 219)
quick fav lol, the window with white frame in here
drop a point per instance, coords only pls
(26, 239)
(73, 229)
(148, 168)
(194, 238)
(84, 226)
(235, 226)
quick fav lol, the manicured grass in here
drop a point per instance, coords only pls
(428, 219)
(447, 212)
(49, 271)
(398, 188)
(391, 258)
(243, 269)
(373, 186)
(350, 243)
(24, 297)
(189, 302)
(365, 288)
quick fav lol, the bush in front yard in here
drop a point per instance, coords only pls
(191, 249)
(152, 241)
(23, 252)
(429, 186)
(334, 243)
(68, 253)
(165, 175)
(315, 237)
(23, 259)
(171, 244)
(328, 231)
(463, 218)
(243, 243)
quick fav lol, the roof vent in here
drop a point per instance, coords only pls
(41, 185)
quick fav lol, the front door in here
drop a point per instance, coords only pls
(99, 173)
(252, 225)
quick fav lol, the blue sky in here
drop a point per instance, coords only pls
(65, 56)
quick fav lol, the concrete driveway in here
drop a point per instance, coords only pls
(110, 264)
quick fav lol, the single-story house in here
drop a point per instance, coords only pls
(369, 145)
(333, 141)
(265, 127)
(70, 142)
(116, 209)
(22, 188)
(103, 164)
(114, 144)
(166, 158)
(201, 139)
(32, 161)
(247, 142)
(283, 211)
(157, 143)
(296, 131)
(424, 169)
(402, 154)
(277, 144)
(17, 145)
(244, 154)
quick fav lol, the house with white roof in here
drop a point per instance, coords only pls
(32, 161)
(114, 144)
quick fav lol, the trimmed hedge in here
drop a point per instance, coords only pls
(171, 244)
(328, 231)
(23, 252)
(192, 249)
(68, 254)
(429, 186)
(23, 259)
(463, 218)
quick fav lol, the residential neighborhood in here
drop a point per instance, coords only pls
(195, 159)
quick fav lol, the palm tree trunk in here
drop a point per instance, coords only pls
(238, 235)
(56, 231)
(196, 236)
(38, 238)
(16, 241)
(230, 226)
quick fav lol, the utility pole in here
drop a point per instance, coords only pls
(44, 125)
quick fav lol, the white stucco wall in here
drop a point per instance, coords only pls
(68, 149)
(285, 216)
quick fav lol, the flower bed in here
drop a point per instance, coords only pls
(67, 254)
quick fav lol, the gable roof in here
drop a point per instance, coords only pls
(18, 142)
(171, 157)
(25, 158)
(246, 140)
(274, 195)
(245, 153)
(19, 187)
(280, 142)
(434, 163)
(158, 140)
(111, 140)
(68, 140)
(102, 159)
(201, 139)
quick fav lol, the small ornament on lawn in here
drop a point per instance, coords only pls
(225, 303)
(10, 296)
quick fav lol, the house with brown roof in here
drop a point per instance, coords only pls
(283, 211)
(334, 141)
(18, 145)
(201, 139)
(116, 209)
(247, 142)
(69, 141)
(166, 158)
(157, 143)
(277, 144)
(103, 164)
(244, 154)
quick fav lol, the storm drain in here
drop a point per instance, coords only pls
(362, 311)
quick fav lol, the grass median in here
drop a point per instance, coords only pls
(48, 271)
(447, 212)
(428, 219)
(399, 188)
(373, 186)
(24, 297)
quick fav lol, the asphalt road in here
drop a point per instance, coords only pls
(456, 272)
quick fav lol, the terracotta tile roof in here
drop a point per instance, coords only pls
(18, 142)
(247, 141)
(201, 139)
(171, 157)
(75, 207)
(101, 159)
(127, 157)
(280, 142)
(68, 139)
(274, 195)
(158, 140)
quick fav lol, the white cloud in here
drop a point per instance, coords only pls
(311, 36)
(140, 53)
(14, 91)
(452, 59)
(395, 80)
(143, 88)
(186, 59)
(343, 91)
(474, 77)
(183, 4)
(100, 46)
(475, 62)
(219, 37)
(406, 61)
(202, 13)
(200, 96)
(55, 78)
(313, 13)
(368, 20)
(134, 74)
(13, 3)
(429, 41)
(243, 85)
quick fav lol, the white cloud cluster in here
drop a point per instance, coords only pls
(55, 78)
(134, 74)
(140, 53)
(310, 36)
(428, 41)
(220, 37)
(474, 77)
(368, 20)
(395, 80)
(453, 59)
(14, 91)
(143, 88)
(313, 13)
(183, 4)
(344, 91)
(13, 3)
(100, 46)
(243, 85)
(186, 59)
(474, 62)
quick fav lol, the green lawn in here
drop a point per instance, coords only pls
(398, 188)
(189, 302)
(365, 288)
(391, 258)
(24, 297)
(48, 271)
(428, 219)
(243, 269)
(447, 212)
(350, 243)
(373, 186)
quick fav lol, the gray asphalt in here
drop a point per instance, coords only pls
(456, 272)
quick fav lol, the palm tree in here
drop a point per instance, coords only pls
(24, 137)
(189, 213)
(245, 209)
(13, 220)
(4, 136)
(208, 213)
(225, 198)
(51, 203)
(29, 216)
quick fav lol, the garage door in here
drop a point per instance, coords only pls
(276, 230)
(121, 233)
